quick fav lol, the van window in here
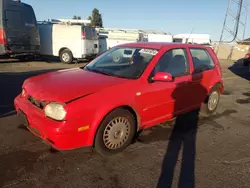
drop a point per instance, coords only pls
(90, 33)
(29, 17)
(201, 59)
(14, 19)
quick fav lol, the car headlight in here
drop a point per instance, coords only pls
(23, 94)
(55, 111)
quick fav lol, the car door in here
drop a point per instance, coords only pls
(202, 74)
(161, 101)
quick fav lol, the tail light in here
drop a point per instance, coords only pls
(3, 39)
(83, 36)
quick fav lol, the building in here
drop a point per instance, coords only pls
(245, 42)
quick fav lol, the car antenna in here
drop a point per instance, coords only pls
(190, 35)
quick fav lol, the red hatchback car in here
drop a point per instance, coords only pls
(126, 89)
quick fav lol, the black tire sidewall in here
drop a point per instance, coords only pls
(99, 144)
(70, 55)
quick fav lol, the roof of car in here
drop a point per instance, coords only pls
(159, 45)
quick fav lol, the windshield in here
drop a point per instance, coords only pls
(122, 62)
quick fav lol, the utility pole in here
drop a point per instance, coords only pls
(234, 25)
(235, 22)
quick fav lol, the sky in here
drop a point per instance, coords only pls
(174, 16)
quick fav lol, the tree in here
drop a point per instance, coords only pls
(96, 19)
(76, 17)
(90, 18)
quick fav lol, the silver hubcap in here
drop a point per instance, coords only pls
(116, 133)
(65, 57)
(213, 100)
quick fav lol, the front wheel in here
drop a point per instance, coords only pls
(115, 133)
(211, 103)
(66, 56)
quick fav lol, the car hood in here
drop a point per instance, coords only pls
(67, 85)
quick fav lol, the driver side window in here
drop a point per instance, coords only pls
(175, 62)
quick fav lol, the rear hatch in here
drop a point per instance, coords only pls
(21, 28)
(90, 40)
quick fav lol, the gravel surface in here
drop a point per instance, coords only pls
(213, 152)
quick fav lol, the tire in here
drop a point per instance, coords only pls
(210, 105)
(66, 56)
(119, 134)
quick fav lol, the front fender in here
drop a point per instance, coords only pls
(101, 114)
(92, 109)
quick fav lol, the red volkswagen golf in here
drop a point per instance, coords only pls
(126, 89)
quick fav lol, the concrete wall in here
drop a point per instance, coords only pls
(231, 51)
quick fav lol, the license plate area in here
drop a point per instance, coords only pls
(25, 122)
(23, 118)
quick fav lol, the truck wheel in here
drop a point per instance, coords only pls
(211, 103)
(66, 56)
(115, 133)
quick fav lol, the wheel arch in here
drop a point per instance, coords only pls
(63, 48)
(125, 107)
(217, 85)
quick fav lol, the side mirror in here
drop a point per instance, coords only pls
(162, 77)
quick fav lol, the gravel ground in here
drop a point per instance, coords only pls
(211, 153)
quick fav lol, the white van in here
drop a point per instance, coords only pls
(68, 41)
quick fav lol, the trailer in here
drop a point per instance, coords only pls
(117, 36)
(203, 39)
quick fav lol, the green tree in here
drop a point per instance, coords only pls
(96, 19)
(90, 18)
(76, 17)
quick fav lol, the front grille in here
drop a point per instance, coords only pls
(37, 103)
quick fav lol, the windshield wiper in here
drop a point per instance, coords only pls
(99, 71)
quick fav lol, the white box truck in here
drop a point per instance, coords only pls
(116, 37)
(203, 39)
(68, 40)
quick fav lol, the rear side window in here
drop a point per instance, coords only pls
(202, 60)
(14, 19)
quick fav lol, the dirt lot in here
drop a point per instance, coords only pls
(214, 153)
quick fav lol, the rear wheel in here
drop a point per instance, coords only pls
(211, 103)
(66, 56)
(115, 133)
